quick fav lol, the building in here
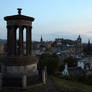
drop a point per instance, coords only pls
(85, 63)
(72, 71)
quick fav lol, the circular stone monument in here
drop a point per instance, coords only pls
(18, 65)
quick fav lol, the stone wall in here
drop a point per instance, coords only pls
(32, 69)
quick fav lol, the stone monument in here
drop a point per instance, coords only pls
(17, 67)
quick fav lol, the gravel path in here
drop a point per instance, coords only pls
(49, 87)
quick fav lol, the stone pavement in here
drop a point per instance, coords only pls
(49, 87)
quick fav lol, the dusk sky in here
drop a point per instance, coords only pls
(53, 18)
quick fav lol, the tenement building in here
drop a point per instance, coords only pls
(18, 66)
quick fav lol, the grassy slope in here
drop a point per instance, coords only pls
(69, 86)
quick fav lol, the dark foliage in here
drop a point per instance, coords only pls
(70, 61)
(86, 79)
(61, 67)
(51, 61)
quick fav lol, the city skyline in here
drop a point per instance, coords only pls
(53, 19)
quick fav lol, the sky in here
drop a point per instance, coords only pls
(53, 18)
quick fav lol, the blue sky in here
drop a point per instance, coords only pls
(53, 18)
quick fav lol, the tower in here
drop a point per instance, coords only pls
(89, 46)
(79, 39)
(21, 22)
(88, 42)
(17, 69)
(41, 39)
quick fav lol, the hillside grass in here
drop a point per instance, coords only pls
(70, 86)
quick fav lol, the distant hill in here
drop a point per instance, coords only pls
(3, 41)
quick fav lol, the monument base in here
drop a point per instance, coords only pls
(18, 70)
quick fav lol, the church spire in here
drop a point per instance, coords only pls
(41, 39)
(88, 42)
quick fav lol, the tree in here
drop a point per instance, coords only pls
(61, 67)
(50, 61)
(70, 61)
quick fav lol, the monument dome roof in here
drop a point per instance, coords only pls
(19, 16)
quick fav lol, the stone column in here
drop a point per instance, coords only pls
(8, 39)
(21, 40)
(24, 81)
(11, 40)
(44, 75)
(30, 35)
(28, 41)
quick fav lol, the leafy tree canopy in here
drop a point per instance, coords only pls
(51, 61)
(70, 61)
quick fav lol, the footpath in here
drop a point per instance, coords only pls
(49, 87)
